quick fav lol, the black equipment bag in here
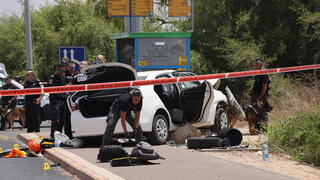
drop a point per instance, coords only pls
(110, 152)
(144, 152)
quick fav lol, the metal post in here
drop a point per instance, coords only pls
(130, 7)
(192, 14)
(132, 23)
(28, 38)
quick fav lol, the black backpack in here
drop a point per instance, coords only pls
(110, 152)
(144, 152)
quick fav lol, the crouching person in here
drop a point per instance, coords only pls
(121, 108)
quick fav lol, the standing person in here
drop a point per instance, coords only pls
(32, 105)
(81, 77)
(259, 99)
(83, 66)
(100, 59)
(70, 72)
(8, 101)
(71, 79)
(121, 108)
(58, 100)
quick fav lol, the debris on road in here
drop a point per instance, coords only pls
(225, 138)
(118, 156)
(182, 133)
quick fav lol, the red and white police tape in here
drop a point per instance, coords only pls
(123, 84)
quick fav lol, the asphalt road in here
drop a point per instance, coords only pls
(29, 168)
(181, 163)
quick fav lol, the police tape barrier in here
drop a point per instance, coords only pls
(123, 84)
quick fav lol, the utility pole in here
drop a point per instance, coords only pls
(192, 20)
(132, 24)
(27, 26)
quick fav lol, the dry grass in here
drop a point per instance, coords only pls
(295, 96)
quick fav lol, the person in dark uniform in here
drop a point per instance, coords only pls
(121, 108)
(71, 79)
(8, 101)
(259, 98)
(58, 100)
(32, 105)
(71, 73)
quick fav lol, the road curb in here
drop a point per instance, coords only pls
(72, 163)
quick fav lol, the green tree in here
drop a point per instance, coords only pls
(12, 52)
(66, 23)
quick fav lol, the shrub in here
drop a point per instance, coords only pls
(298, 136)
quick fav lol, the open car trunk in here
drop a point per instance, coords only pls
(97, 103)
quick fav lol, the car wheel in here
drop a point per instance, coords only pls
(221, 120)
(202, 143)
(160, 130)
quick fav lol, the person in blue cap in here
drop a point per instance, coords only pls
(259, 99)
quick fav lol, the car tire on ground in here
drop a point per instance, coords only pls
(221, 120)
(234, 135)
(160, 130)
(202, 143)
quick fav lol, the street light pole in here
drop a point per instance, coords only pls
(192, 20)
(27, 26)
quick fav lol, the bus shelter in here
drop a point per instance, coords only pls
(154, 50)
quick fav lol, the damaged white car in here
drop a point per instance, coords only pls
(165, 107)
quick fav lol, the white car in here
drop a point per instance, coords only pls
(165, 107)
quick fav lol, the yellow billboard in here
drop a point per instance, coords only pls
(142, 7)
(179, 8)
(118, 7)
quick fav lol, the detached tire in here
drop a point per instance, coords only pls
(203, 143)
(221, 120)
(234, 135)
(160, 130)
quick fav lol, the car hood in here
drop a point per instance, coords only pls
(14, 82)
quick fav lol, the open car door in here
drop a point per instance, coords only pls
(192, 97)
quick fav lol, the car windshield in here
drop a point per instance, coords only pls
(141, 77)
(186, 85)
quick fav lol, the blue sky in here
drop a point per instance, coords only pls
(10, 7)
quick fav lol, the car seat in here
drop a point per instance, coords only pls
(164, 96)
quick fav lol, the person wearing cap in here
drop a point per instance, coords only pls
(8, 101)
(58, 100)
(259, 95)
(99, 59)
(32, 103)
(122, 108)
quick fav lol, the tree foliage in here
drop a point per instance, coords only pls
(66, 23)
(227, 36)
(230, 33)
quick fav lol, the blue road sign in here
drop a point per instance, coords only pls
(73, 53)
